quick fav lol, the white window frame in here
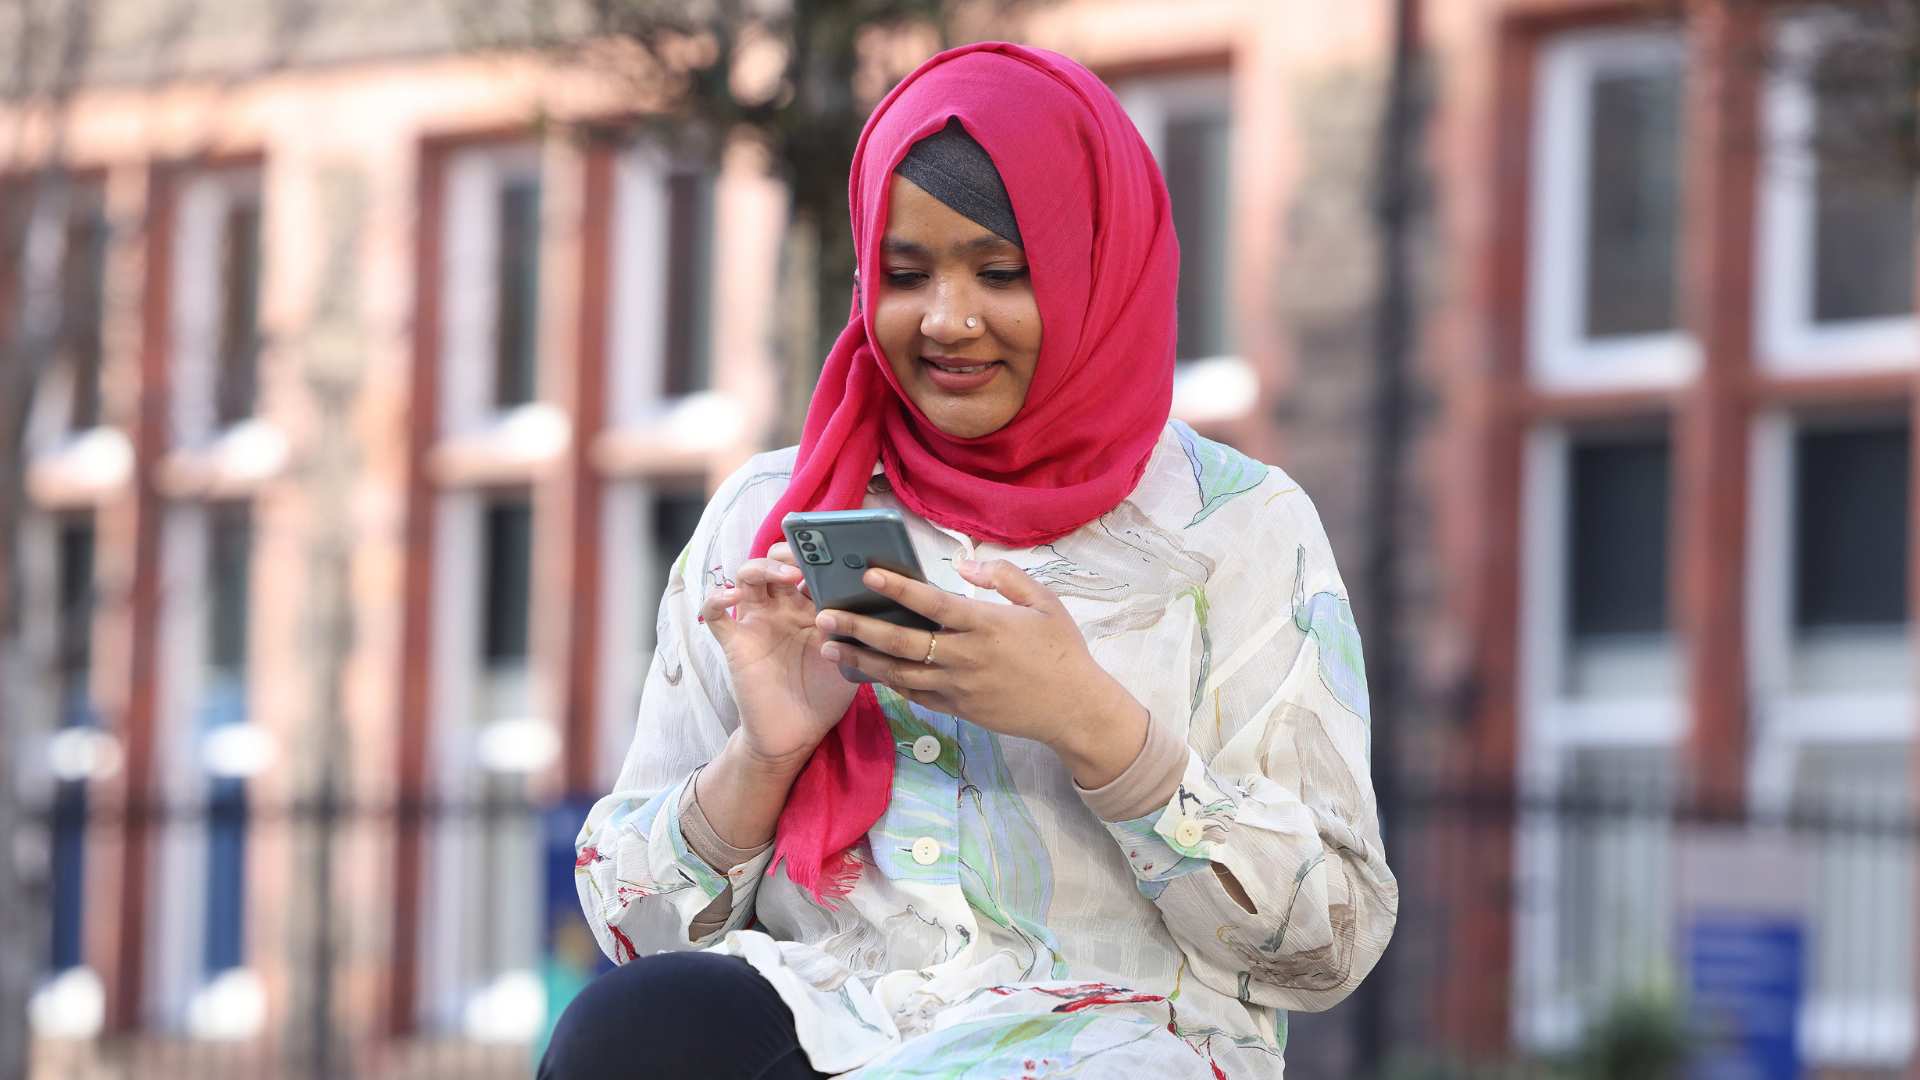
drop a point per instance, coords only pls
(181, 996)
(1789, 721)
(1205, 388)
(71, 1002)
(637, 360)
(194, 319)
(629, 560)
(67, 466)
(179, 910)
(1553, 725)
(451, 1001)
(40, 606)
(1782, 709)
(1560, 356)
(1790, 341)
(41, 252)
(469, 294)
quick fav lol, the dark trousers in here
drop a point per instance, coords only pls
(674, 1015)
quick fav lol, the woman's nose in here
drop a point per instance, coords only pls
(947, 315)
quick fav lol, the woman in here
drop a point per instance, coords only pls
(1113, 818)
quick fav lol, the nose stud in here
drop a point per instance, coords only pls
(972, 322)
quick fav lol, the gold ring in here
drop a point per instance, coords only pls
(933, 641)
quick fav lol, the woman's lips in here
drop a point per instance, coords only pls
(951, 373)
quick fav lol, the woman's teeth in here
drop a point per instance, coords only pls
(970, 370)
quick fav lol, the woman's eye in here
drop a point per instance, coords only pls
(905, 279)
(1003, 277)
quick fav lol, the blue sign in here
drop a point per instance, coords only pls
(1745, 980)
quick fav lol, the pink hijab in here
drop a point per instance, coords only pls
(1098, 232)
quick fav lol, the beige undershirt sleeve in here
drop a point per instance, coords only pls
(1147, 784)
(713, 851)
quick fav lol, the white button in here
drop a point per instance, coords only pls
(926, 851)
(1187, 833)
(926, 749)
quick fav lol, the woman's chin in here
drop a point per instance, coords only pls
(967, 423)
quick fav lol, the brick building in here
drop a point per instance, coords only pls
(448, 310)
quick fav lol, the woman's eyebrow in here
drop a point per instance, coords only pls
(912, 250)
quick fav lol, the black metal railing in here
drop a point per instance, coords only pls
(1556, 933)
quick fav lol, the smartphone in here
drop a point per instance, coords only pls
(835, 548)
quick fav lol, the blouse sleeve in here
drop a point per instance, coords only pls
(641, 883)
(1283, 801)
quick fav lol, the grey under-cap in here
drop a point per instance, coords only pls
(951, 167)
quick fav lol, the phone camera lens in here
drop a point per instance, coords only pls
(808, 547)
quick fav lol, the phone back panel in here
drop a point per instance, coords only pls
(857, 539)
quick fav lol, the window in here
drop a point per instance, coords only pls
(1617, 565)
(662, 272)
(73, 663)
(517, 292)
(1863, 218)
(507, 584)
(1603, 715)
(237, 377)
(216, 311)
(1614, 854)
(1188, 124)
(222, 712)
(1633, 194)
(507, 848)
(647, 524)
(83, 274)
(1832, 684)
(481, 956)
(1850, 524)
(1198, 172)
(56, 293)
(492, 234)
(1606, 212)
(1850, 540)
(229, 554)
(1860, 941)
(207, 748)
(689, 283)
(1837, 273)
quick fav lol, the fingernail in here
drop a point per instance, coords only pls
(967, 565)
(874, 579)
(825, 622)
(830, 651)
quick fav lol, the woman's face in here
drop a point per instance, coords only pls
(939, 267)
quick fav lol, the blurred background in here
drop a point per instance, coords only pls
(367, 363)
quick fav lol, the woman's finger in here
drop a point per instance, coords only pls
(782, 552)
(950, 611)
(767, 572)
(763, 581)
(900, 674)
(878, 634)
(1009, 581)
(714, 615)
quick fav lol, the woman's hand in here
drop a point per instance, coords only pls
(789, 695)
(1019, 669)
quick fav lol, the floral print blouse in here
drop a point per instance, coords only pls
(998, 926)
